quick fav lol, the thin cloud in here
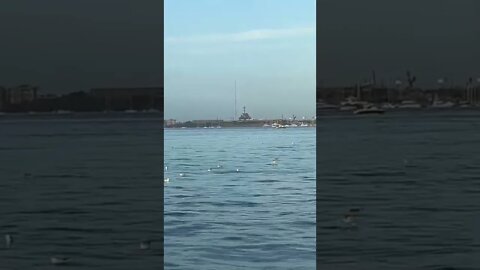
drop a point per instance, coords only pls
(252, 35)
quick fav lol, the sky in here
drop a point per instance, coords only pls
(67, 45)
(431, 38)
(267, 46)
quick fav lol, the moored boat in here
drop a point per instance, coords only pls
(369, 110)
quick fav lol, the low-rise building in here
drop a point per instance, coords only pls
(142, 97)
(170, 122)
(3, 98)
(22, 94)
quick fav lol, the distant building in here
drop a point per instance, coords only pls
(22, 94)
(3, 98)
(170, 122)
(131, 98)
(127, 92)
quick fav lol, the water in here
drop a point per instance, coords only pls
(87, 187)
(415, 177)
(261, 217)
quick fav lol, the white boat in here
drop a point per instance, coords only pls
(303, 125)
(369, 110)
(321, 105)
(409, 104)
(464, 104)
(442, 104)
(388, 106)
(348, 108)
(351, 104)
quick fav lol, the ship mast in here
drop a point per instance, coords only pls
(235, 118)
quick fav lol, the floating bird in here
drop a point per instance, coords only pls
(209, 169)
(166, 168)
(145, 244)
(166, 180)
(350, 216)
(182, 174)
(274, 162)
(238, 170)
(348, 219)
(59, 260)
(219, 166)
(8, 240)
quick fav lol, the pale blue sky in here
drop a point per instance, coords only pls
(268, 46)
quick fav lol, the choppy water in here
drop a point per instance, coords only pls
(261, 217)
(82, 187)
(416, 178)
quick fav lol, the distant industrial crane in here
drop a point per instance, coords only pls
(411, 79)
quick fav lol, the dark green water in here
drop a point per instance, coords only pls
(416, 178)
(88, 188)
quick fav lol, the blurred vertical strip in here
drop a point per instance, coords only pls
(161, 13)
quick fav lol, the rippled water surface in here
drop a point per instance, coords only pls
(416, 179)
(85, 188)
(259, 217)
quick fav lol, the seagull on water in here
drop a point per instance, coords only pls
(182, 174)
(350, 216)
(238, 170)
(59, 260)
(166, 168)
(8, 240)
(166, 180)
(274, 162)
(348, 219)
(145, 244)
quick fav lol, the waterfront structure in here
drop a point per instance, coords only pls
(22, 94)
(238, 124)
(170, 122)
(472, 92)
(3, 98)
(443, 97)
(130, 98)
